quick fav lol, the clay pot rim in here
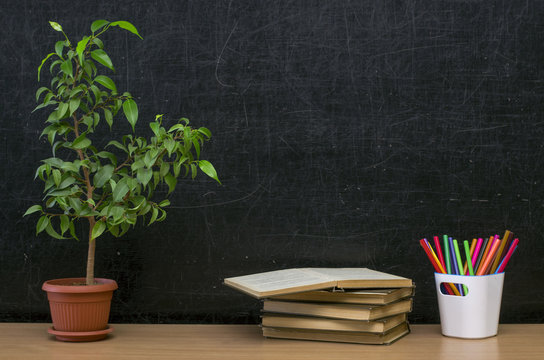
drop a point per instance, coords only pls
(65, 285)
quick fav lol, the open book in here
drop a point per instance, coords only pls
(290, 281)
(357, 296)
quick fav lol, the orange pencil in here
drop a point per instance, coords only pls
(490, 257)
(486, 251)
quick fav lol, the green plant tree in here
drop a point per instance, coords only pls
(112, 187)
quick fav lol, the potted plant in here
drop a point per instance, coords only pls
(110, 188)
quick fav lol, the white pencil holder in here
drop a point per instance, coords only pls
(475, 315)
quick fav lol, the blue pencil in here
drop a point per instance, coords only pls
(455, 268)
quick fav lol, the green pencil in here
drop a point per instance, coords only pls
(447, 249)
(469, 261)
(458, 256)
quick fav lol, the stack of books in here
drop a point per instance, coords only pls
(354, 305)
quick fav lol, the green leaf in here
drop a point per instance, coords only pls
(127, 26)
(154, 215)
(103, 175)
(57, 177)
(61, 110)
(164, 203)
(116, 212)
(208, 169)
(81, 45)
(170, 145)
(106, 82)
(66, 182)
(108, 155)
(171, 181)
(70, 166)
(109, 117)
(144, 175)
(42, 223)
(155, 127)
(197, 147)
(43, 62)
(131, 112)
(39, 92)
(176, 127)
(163, 216)
(165, 167)
(67, 68)
(53, 161)
(120, 191)
(59, 46)
(33, 209)
(51, 232)
(113, 229)
(81, 142)
(76, 204)
(64, 223)
(98, 42)
(103, 58)
(97, 24)
(118, 145)
(74, 105)
(73, 230)
(205, 131)
(193, 171)
(98, 229)
(55, 26)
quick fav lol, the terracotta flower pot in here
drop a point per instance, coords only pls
(79, 312)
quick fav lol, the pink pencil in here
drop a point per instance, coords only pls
(508, 255)
(477, 250)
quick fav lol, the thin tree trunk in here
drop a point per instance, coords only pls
(90, 253)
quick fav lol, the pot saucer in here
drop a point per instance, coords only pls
(80, 335)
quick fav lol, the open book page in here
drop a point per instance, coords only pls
(280, 281)
(304, 279)
(363, 277)
(355, 274)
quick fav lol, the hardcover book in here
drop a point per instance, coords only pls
(338, 311)
(289, 281)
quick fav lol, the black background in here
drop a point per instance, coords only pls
(343, 132)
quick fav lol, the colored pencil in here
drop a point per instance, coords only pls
(447, 254)
(480, 254)
(486, 251)
(469, 260)
(460, 262)
(476, 251)
(434, 256)
(437, 266)
(472, 246)
(507, 246)
(498, 257)
(425, 247)
(489, 259)
(507, 257)
(439, 251)
(454, 267)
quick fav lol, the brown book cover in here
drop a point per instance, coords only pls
(320, 323)
(339, 336)
(290, 281)
(338, 311)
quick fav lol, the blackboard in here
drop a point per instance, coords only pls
(343, 132)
